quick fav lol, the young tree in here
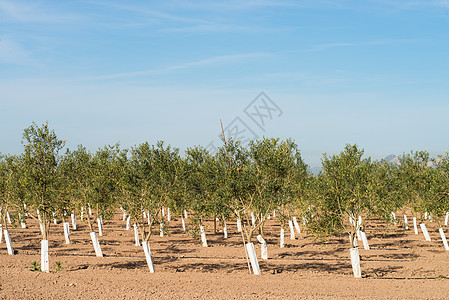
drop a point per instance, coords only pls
(342, 194)
(137, 185)
(201, 184)
(9, 181)
(40, 169)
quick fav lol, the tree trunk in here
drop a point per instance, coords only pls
(89, 223)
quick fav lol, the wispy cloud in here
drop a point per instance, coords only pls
(145, 11)
(326, 46)
(216, 27)
(412, 5)
(203, 62)
(32, 12)
(13, 53)
(237, 5)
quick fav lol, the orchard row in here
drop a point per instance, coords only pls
(46, 182)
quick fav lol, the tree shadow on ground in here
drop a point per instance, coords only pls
(335, 253)
(329, 268)
(224, 242)
(390, 256)
(137, 264)
(215, 267)
(380, 272)
(173, 249)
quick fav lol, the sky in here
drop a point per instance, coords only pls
(324, 73)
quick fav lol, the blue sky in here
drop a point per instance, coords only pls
(374, 73)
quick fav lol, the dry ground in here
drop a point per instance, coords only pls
(400, 264)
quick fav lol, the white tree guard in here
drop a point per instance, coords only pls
(355, 261)
(263, 247)
(45, 264)
(292, 231)
(225, 230)
(22, 223)
(446, 219)
(96, 244)
(185, 214)
(163, 211)
(100, 226)
(1, 234)
(364, 240)
(136, 235)
(8, 217)
(405, 222)
(73, 221)
(168, 214)
(66, 226)
(425, 232)
(253, 258)
(203, 236)
(8, 242)
(146, 250)
(425, 215)
(253, 219)
(239, 225)
(161, 229)
(183, 224)
(295, 222)
(124, 215)
(351, 221)
(443, 237)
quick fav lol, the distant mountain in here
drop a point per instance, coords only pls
(315, 170)
(394, 159)
(390, 157)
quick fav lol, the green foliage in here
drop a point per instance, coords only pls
(39, 168)
(35, 267)
(342, 191)
(58, 266)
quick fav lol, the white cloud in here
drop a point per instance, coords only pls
(143, 10)
(237, 5)
(12, 53)
(31, 12)
(202, 62)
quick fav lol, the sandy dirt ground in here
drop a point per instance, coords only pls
(399, 264)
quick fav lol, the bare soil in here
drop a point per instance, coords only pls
(399, 264)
